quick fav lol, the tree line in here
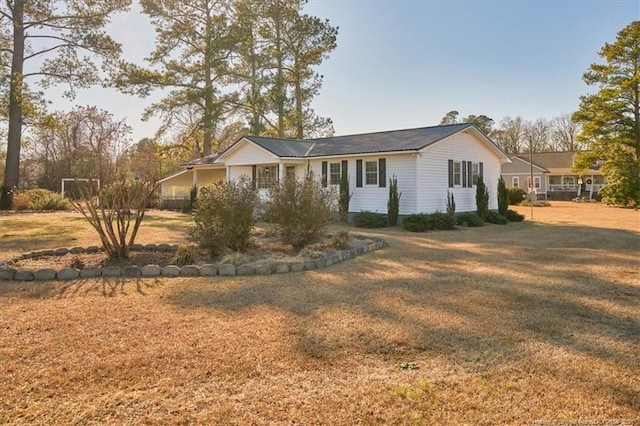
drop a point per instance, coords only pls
(517, 135)
(232, 67)
(226, 68)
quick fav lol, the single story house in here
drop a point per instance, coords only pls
(553, 176)
(427, 163)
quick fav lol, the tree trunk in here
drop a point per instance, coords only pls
(280, 96)
(208, 94)
(12, 170)
(298, 87)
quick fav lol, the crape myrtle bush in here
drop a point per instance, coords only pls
(369, 219)
(515, 195)
(223, 216)
(470, 219)
(514, 216)
(40, 199)
(427, 222)
(115, 211)
(300, 210)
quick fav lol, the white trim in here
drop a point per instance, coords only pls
(237, 144)
(377, 154)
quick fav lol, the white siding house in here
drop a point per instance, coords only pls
(427, 163)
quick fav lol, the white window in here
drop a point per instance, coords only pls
(515, 181)
(568, 180)
(266, 176)
(457, 173)
(371, 172)
(536, 182)
(334, 174)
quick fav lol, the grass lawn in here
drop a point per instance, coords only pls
(530, 323)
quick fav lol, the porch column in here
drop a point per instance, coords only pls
(195, 178)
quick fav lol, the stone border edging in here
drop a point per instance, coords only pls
(169, 271)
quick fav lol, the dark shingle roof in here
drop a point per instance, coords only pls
(396, 140)
(551, 160)
(282, 147)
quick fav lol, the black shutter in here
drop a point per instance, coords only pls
(464, 174)
(277, 173)
(450, 173)
(324, 174)
(470, 173)
(382, 172)
(359, 173)
(253, 177)
(345, 168)
(480, 171)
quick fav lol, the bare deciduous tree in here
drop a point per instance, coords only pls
(564, 132)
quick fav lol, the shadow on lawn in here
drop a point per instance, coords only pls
(485, 297)
(107, 287)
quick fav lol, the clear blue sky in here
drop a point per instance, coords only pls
(403, 63)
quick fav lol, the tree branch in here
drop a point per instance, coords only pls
(46, 50)
(46, 22)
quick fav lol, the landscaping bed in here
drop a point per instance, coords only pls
(267, 255)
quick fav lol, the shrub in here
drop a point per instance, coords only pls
(516, 195)
(311, 253)
(451, 203)
(469, 219)
(186, 207)
(345, 198)
(393, 205)
(223, 216)
(503, 197)
(340, 240)
(496, 218)
(514, 216)
(369, 219)
(40, 199)
(235, 258)
(20, 202)
(482, 198)
(426, 222)
(186, 255)
(537, 203)
(112, 209)
(77, 263)
(300, 210)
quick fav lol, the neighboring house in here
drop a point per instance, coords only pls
(557, 180)
(517, 174)
(427, 162)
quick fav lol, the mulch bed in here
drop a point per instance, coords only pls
(265, 248)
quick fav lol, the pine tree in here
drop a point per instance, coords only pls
(610, 118)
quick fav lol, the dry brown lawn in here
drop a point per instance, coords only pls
(529, 323)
